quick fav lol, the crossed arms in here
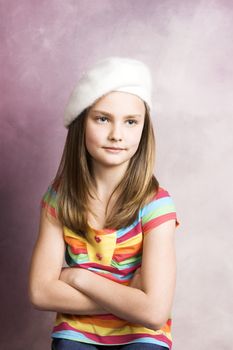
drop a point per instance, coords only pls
(146, 301)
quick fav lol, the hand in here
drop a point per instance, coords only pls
(136, 280)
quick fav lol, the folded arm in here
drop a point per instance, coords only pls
(46, 291)
(127, 303)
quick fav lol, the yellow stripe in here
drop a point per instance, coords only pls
(108, 328)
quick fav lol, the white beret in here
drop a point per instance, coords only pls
(109, 74)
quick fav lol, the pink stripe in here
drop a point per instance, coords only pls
(124, 272)
(132, 233)
(161, 193)
(94, 265)
(157, 221)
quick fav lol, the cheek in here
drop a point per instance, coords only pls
(135, 138)
(92, 137)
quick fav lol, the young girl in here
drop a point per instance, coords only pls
(106, 213)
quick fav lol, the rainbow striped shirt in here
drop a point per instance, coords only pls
(115, 255)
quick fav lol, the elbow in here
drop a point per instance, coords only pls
(150, 321)
(160, 324)
(156, 321)
(157, 315)
(155, 325)
(36, 298)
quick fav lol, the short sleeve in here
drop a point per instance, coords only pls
(49, 201)
(159, 210)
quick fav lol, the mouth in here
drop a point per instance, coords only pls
(114, 148)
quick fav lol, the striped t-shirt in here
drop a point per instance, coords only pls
(114, 254)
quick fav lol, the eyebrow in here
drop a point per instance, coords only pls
(109, 114)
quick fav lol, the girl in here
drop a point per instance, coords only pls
(106, 213)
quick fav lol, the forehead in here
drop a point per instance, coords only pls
(122, 102)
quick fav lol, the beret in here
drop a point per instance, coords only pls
(109, 74)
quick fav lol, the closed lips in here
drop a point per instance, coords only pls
(113, 148)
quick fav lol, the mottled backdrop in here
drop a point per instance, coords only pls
(45, 45)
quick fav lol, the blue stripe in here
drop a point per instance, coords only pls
(71, 335)
(150, 207)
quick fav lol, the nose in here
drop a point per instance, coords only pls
(115, 133)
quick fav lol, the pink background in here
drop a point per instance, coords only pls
(45, 45)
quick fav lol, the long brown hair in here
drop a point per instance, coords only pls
(74, 180)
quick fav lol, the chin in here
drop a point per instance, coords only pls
(115, 163)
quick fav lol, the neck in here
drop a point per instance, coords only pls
(107, 178)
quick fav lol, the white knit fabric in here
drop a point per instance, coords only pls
(109, 74)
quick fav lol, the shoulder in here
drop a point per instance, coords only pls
(160, 196)
(159, 209)
(49, 200)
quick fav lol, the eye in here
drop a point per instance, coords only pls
(101, 119)
(132, 121)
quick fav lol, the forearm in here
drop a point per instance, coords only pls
(60, 297)
(127, 303)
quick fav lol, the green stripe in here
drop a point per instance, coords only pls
(165, 209)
